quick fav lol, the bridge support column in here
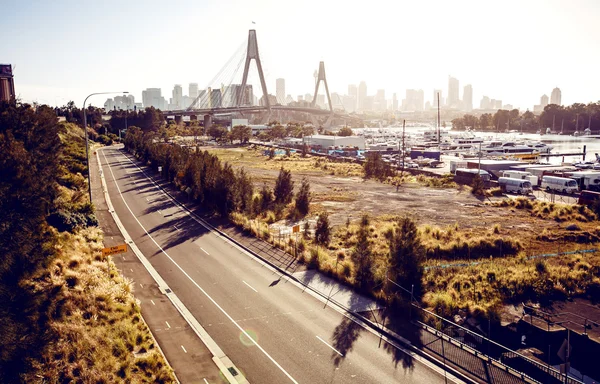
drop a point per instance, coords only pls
(178, 119)
(207, 122)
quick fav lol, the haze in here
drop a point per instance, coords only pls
(510, 50)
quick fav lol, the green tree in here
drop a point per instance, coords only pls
(241, 133)
(406, 255)
(361, 255)
(276, 131)
(323, 229)
(217, 132)
(345, 131)
(375, 167)
(243, 191)
(284, 187)
(485, 121)
(266, 198)
(303, 198)
(478, 187)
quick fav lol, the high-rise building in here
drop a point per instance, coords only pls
(289, 99)
(362, 96)
(556, 96)
(300, 98)
(193, 90)
(453, 98)
(280, 91)
(308, 97)
(394, 102)
(215, 98)
(485, 103)
(152, 97)
(7, 84)
(543, 101)
(468, 98)
(109, 105)
(380, 103)
(125, 102)
(177, 96)
(321, 101)
(414, 101)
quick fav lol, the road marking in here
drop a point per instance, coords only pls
(242, 330)
(148, 200)
(130, 269)
(206, 381)
(204, 251)
(152, 301)
(168, 326)
(159, 211)
(327, 344)
(252, 288)
(182, 347)
(177, 229)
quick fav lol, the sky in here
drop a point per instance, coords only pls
(515, 51)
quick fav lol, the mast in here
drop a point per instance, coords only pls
(553, 119)
(438, 121)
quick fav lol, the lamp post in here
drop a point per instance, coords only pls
(87, 156)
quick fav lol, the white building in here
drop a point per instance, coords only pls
(326, 141)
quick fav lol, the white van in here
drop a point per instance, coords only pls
(523, 175)
(520, 186)
(560, 184)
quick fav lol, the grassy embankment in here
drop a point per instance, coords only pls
(504, 274)
(98, 334)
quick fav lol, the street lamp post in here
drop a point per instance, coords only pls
(87, 156)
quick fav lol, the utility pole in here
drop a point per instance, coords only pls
(438, 121)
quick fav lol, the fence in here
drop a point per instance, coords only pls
(553, 197)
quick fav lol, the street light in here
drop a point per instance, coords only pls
(87, 156)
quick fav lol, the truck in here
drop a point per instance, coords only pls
(559, 184)
(523, 175)
(514, 185)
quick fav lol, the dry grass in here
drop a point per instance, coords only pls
(546, 210)
(101, 336)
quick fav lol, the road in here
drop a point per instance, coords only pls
(272, 330)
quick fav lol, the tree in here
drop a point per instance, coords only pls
(406, 255)
(303, 198)
(345, 132)
(284, 187)
(323, 229)
(243, 191)
(217, 132)
(276, 131)
(241, 133)
(478, 186)
(266, 198)
(375, 166)
(361, 255)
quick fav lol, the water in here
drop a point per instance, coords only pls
(560, 143)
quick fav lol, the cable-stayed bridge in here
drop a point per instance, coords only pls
(236, 98)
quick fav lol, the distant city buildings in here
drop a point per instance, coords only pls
(434, 101)
(453, 98)
(280, 91)
(123, 103)
(7, 84)
(556, 96)
(414, 100)
(467, 102)
(361, 100)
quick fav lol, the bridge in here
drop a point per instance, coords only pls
(236, 99)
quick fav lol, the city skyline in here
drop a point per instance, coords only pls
(152, 58)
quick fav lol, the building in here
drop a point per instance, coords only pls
(544, 101)
(414, 100)
(289, 99)
(152, 97)
(379, 102)
(485, 103)
(468, 98)
(280, 91)
(325, 141)
(193, 90)
(300, 98)
(272, 101)
(215, 98)
(556, 96)
(308, 97)
(321, 101)
(453, 98)
(125, 102)
(109, 105)
(394, 102)
(362, 96)
(7, 83)
(177, 100)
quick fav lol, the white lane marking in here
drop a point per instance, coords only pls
(177, 229)
(152, 301)
(169, 326)
(131, 269)
(182, 347)
(159, 211)
(204, 251)
(206, 381)
(327, 344)
(242, 330)
(141, 285)
(252, 288)
(148, 200)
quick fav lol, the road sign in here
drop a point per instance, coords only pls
(296, 228)
(159, 169)
(114, 250)
(562, 352)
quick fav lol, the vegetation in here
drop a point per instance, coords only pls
(303, 198)
(345, 131)
(66, 313)
(284, 187)
(375, 167)
(323, 229)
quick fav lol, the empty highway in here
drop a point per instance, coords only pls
(271, 330)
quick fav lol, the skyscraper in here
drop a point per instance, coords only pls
(453, 98)
(468, 98)
(177, 96)
(434, 103)
(362, 96)
(543, 101)
(152, 97)
(380, 102)
(556, 96)
(193, 90)
(280, 90)
(394, 102)
(7, 85)
(485, 103)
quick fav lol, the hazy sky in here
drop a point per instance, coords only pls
(510, 50)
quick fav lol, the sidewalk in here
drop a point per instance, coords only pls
(185, 352)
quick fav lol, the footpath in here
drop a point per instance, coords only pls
(190, 359)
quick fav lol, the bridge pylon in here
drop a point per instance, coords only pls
(321, 77)
(252, 53)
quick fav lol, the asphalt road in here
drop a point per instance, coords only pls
(272, 330)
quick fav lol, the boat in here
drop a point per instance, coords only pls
(541, 147)
(509, 148)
